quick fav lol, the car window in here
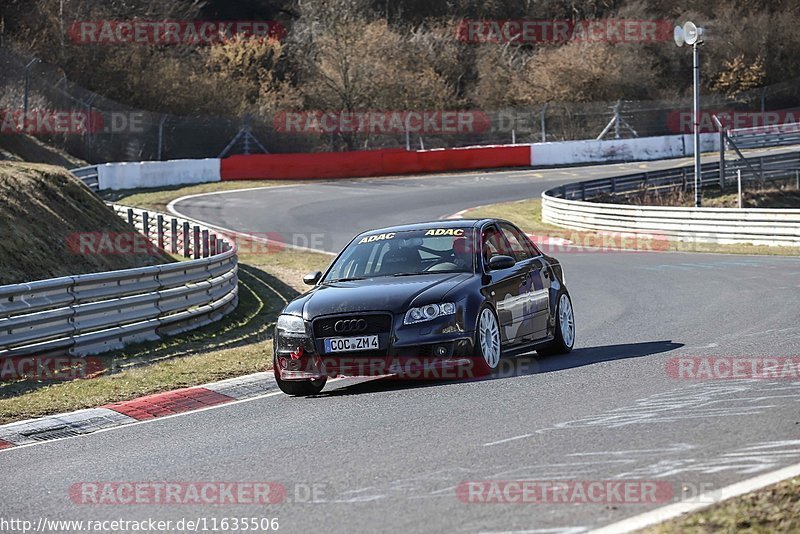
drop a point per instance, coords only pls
(493, 244)
(521, 249)
(418, 251)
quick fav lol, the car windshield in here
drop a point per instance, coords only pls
(408, 253)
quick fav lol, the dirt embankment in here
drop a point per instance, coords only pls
(43, 212)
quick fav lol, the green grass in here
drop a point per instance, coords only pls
(527, 214)
(772, 509)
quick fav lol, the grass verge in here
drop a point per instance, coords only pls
(772, 509)
(779, 195)
(527, 214)
(157, 198)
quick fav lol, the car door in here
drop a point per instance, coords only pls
(535, 283)
(505, 286)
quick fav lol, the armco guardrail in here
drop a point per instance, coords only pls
(567, 206)
(766, 168)
(89, 176)
(764, 136)
(93, 313)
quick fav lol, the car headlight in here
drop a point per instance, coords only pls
(291, 324)
(429, 312)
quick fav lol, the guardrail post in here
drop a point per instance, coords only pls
(205, 243)
(563, 191)
(146, 224)
(583, 191)
(213, 244)
(186, 251)
(160, 231)
(196, 242)
(683, 180)
(614, 185)
(130, 216)
(173, 235)
(722, 159)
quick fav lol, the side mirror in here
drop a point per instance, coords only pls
(498, 263)
(311, 279)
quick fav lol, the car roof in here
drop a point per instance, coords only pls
(445, 223)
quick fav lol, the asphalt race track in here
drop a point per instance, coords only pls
(388, 456)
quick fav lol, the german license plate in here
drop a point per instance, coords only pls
(351, 344)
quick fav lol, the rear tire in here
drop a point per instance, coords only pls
(565, 328)
(298, 388)
(488, 350)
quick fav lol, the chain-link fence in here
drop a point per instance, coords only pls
(97, 129)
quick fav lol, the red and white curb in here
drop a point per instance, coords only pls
(145, 408)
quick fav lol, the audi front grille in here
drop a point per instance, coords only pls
(352, 325)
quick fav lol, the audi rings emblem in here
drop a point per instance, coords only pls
(350, 326)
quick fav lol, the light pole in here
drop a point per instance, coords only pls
(27, 86)
(694, 36)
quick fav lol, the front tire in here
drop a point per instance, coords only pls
(565, 329)
(298, 388)
(487, 343)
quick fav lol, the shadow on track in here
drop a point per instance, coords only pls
(523, 365)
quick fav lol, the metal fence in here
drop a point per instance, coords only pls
(122, 133)
(567, 205)
(764, 136)
(93, 313)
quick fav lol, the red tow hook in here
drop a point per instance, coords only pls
(297, 354)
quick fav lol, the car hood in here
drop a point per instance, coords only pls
(391, 294)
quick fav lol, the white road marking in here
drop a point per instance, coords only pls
(704, 500)
(523, 436)
(703, 400)
(679, 447)
(171, 209)
(557, 530)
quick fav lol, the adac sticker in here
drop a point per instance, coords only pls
(455, 232)
(377, 237)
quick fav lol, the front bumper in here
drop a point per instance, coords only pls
(440, 357)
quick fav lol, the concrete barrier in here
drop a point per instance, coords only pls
(619, 150)
(387, 162)
(149, 174)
